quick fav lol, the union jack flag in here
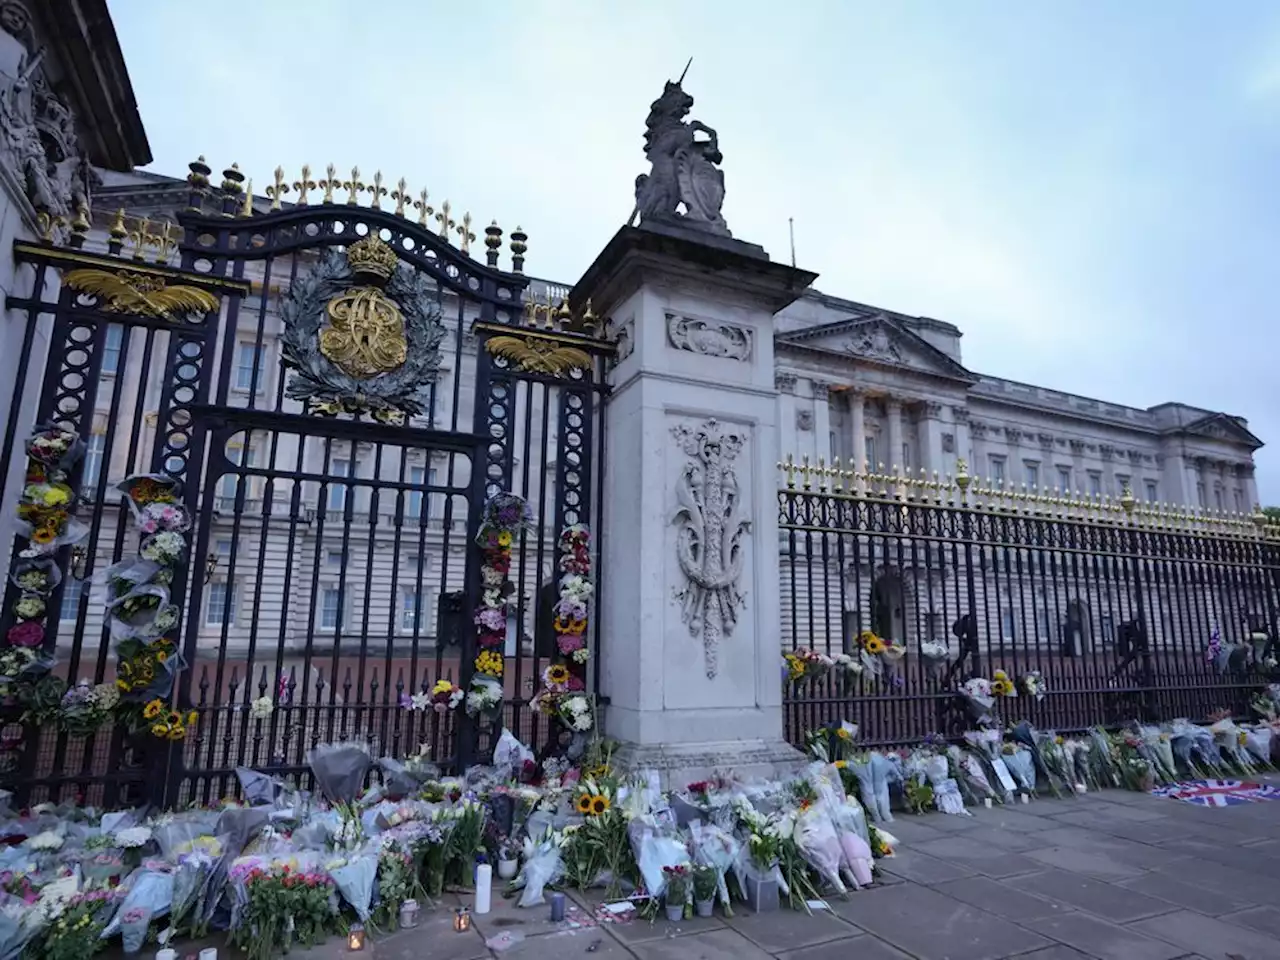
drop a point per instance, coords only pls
(1218, 793)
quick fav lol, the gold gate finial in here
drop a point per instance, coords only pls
(353, 186)
(424, 209)
(376, 190)
(446, 224)
(401, 196)
(464, 231)
(303, 185)
(277, 189)
(330, 183)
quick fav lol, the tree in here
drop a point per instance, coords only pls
(1272, 514)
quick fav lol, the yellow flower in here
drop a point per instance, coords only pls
(161, 656)
(121, 685)
(584, 803)
(152, 710)
(55, 496)
(795, 667)
(443, 686)
(1000, 675)
(177, 733)
(191, 719)
(1001, 688)
(160, 729)
(504, 539)
(599, 804)
(557, 673)
(489, 663)
(843, 733)
(841, 764)
(874, 645)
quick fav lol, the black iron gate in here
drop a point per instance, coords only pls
(333, 391)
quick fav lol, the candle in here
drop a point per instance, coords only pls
(484, 887)
(1026, 798)
(355, 937)
(168, 953)
(209, 953)
(409, 914)
(557, 907)
(986, 802)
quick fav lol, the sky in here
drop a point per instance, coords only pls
(1089, 190)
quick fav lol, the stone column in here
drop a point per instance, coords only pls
(821, 391)
(858, 414)
(790, 442)
(930, 433)
(690, 655)
(980, 468)
(1108, 454)
(962, 441)
(893, 412)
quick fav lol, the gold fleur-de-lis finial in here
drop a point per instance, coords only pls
(424, 209)
(166, 241)
(464, 231)
(140, 237)
(330, 183)
(353, 186)
(446, 224)
(401, 196)
(303, 185)
(277, 189)
(376, 190)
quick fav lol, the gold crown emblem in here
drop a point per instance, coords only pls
(372, 257)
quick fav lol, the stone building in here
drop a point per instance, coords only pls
(859, 383)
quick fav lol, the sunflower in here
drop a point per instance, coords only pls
(841, 764)
(873, 645)
(191, 719)
(843, 733)
(569, 625)
(160, 729)
(584, 804)
(599, 804)
(557, 673)
(175, 718)
(44, 535)
(122, 685)
(1002, 688)
(504, 539)
(177, 733)
(161, 656)
(152, 710)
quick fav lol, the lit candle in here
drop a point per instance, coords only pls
(355, 937)
(462, 920)
(484, 887)
(557, 907)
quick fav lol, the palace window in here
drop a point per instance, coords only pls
(997, 470)
(111, 349)
(242, 457)
(410, 610)
(906, 458)
(1122, 483)
(1217, 498)
(249, 367)
(95, 446)
(869, 452)
(1064, 479)
(1007, 631)
(342, 467)
(1200, 498)
(220, 609)
(71, 592)
(1032, 473)
(1095, 483)
(330, 604)
(333, 559)
(1153, 491)
(1239, 500)
(417, 477)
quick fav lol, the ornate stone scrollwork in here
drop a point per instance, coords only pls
(785, 382)
(39, 148)
(711, 527)
(804, 419)
(709, 338)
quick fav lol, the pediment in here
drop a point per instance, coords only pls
(880, 341)
(1220, 426)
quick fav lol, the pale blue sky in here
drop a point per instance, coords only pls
(1088, 189)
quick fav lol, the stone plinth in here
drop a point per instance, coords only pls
(690, 614)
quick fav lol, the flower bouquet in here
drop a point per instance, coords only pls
(39, 576)
(934, 657)
(339, 770)
(717, 849)
(978, 699)
(543, 865)
(54, 447)
(142, 490)
(1033, 684)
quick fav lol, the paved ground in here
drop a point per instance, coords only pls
(1111, 876)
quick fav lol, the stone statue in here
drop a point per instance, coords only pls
(684, 169)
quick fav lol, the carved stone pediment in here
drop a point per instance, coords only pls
(876, 340)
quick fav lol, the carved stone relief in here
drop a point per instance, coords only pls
(39, 149)
(821, 389)
(624, 339)
(804, 419)
(948, 443)
(1077, 447)
(709, 338)
(1046, 440)
(785, 382)
(875, 344)
(711, 528)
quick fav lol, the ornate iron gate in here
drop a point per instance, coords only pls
(332, 391)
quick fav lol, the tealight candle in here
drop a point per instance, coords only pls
(355, 937)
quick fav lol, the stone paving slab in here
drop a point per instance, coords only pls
(790, 929)
(983, 858)
(1103, 940)
(864, 948)
(925, 924)
(715, 945)
(1263, 919)
(1179, 891)
(1088, 860)
(1001, 899)
(1092, 896)
(1209, 936)
(919, 867)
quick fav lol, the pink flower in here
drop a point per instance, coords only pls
(27, 634)
(569, 642)
(491, 619)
